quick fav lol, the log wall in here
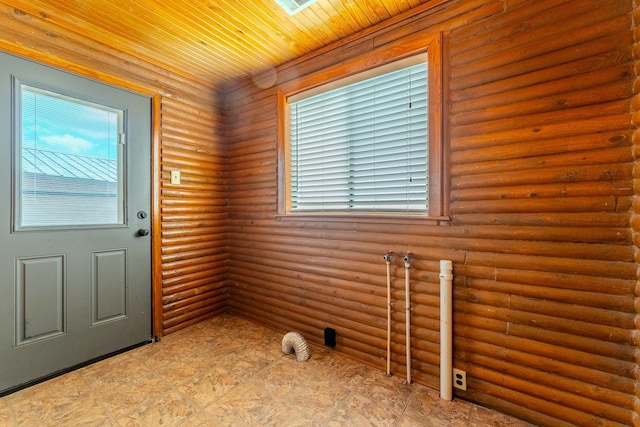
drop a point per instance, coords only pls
(539, 137)
(543, 206)
(635, 139)
(188, 222)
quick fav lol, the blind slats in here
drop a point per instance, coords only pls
(70, 165)
(362, 147)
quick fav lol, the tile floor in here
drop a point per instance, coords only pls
(230, 372)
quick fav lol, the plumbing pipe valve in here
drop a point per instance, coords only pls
(407, 259)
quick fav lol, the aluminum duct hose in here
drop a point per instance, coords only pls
(293, 342)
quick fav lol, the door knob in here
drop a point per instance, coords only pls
(143, 232)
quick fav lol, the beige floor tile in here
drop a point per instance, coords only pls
(227, 371)
(363, 410)
(109, 374)
(318, 399)
(280, 378)
(165, 353)
(390, 393)
(65, 400)
(245, 405)
(71, 383)
(427, 409)
(481, 417)
(186, 369)
(139, 390)
(201, 419)
(281, 414)
(5, 414)
(327, 361)
(244, 364)
(209, 387)
(171, 409)
(227, 419)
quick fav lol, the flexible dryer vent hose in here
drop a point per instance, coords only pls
(293, 342)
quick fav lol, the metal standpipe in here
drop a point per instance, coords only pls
(387, 259)
(407, 294)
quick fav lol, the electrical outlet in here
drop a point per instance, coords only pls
(459, 379)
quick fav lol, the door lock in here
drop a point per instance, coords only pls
(142, 214)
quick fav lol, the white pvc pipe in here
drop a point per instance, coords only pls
(387, 258)
(446, 336)
(407, 304)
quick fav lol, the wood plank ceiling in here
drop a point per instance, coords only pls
(214, 41)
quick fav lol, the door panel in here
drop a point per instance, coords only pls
(75, 276)
(40, 307)
(109, 282)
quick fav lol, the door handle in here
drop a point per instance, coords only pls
(143, 232)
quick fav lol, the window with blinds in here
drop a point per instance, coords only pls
(363, 146)
(69, 162)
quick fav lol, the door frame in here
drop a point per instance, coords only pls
(157, 326)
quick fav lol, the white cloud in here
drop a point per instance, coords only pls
(67, 144)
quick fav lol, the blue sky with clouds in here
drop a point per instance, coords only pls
(61, 125)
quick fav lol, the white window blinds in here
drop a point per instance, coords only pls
(362, 147)
(70, 163)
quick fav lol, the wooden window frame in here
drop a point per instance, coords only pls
(380, 56)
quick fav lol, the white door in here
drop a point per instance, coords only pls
(75, 249)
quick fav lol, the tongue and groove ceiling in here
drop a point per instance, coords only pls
(215, 41)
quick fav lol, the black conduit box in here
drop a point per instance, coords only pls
(329, 337)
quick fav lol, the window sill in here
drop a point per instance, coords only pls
(385, 218)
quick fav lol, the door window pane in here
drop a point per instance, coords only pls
(69, 162)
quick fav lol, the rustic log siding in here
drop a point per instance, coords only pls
(193, 240)
(188, 230)
(635, 225)
(541, 166)
(543, 205)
